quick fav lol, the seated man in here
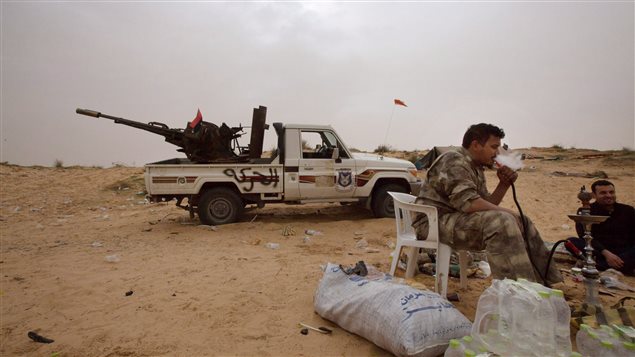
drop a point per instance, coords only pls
(470, 217)
(614, 239)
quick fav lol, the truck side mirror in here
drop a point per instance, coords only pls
(336, 155)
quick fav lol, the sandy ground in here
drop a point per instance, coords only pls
(198, 291)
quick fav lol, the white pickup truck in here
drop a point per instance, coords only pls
(297, 172)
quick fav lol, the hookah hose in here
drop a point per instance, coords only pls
(578, 254)
(553, 250)
(524, 234)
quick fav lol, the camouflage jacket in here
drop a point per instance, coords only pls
(452, 182)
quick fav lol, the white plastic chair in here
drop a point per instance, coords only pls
(407, 237)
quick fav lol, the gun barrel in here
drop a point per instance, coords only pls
(88, 112)
(174, 136)
(96, 114)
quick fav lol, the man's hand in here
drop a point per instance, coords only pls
(506, 175)
(612, 260)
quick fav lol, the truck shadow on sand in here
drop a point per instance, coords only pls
(313, 213)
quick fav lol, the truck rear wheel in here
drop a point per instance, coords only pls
(383, 205)
(219, 205)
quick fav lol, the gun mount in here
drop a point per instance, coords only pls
(203, 142)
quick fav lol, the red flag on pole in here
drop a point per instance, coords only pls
(400, 102)
(196, 120)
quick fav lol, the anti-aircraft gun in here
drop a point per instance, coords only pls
(203, 142)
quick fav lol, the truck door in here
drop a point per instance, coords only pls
(321, 175)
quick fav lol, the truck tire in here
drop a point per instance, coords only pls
(382, 202)
(219, 205)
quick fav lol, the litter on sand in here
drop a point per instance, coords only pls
(320, 329)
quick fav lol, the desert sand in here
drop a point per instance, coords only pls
(217, 291)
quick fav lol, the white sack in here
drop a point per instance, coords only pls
(401, 319)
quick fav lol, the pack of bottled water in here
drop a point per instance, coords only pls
(519, 317)
(605, 341)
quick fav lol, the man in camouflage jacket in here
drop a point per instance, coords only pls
(470, 217)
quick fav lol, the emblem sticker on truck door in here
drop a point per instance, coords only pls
(344, 180)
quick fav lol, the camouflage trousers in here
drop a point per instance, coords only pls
(499, 234)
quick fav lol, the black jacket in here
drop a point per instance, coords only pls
(617, 233)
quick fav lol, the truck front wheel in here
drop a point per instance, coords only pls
(383, 205)
(219, 205)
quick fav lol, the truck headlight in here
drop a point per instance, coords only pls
(413, 172)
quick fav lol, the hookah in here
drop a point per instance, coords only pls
(589, 271)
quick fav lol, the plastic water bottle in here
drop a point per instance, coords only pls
(505, 310)
(496, 343)
(485, 354)
(474, 344)
(554, 335)
(507, 304)
(582, 337)
(607, 334)
(492, 341)
(587, 341)
(487, 311)
(545, 331)
(521, 309)
(563, 318)
(625, 349)
(627, 333)
(607, 349)
(455, 349)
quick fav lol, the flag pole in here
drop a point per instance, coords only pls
(397, 102)
(387, 130)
